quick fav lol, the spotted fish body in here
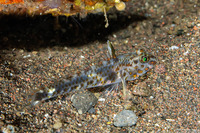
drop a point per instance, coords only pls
(118, 69)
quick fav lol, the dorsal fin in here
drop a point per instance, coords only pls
(111, 50)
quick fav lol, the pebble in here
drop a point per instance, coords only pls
(57, 125)
(173, 47)
(84, 101)
(102, 99)
(9, 129)
(168, 78)
(125, 118)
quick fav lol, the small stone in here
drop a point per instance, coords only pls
(57, 125)
(173, 47)
(151, 97)
(83, 101)
(34, 52)
(168, 78)
(125, 118)
(157, 125)
(9, 129)
(80, 125)
(102, 99)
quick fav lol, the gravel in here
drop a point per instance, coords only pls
(84, 101)
(34, 55)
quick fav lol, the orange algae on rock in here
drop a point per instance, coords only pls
(11, 1)
(56, 7)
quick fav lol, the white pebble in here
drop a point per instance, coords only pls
(125, 118)
(26, 56)
(151, 97)
(186, 53)
(173, 47)
(102, 99)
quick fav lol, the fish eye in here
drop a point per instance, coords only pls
(144, 59)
